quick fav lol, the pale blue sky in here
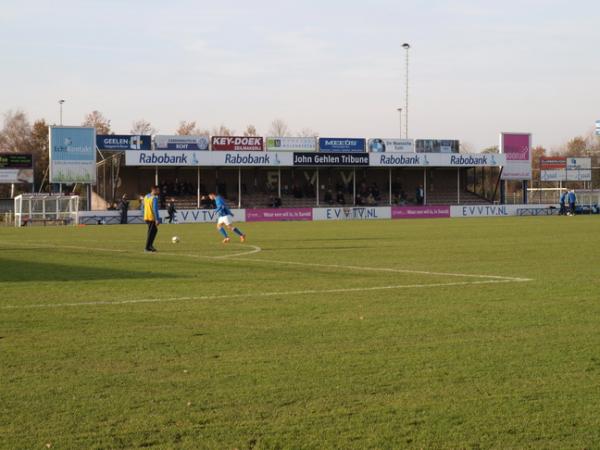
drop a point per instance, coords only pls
(477, 67)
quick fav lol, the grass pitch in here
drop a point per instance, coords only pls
(299, 341)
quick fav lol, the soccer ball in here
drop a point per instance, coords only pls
(175, 240)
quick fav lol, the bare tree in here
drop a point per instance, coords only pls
(16, 132)
(97, 120)
(250, 131)
(142, 126)
(186, 128)
(465, 147)
(492, 149)
(222, 131)
(307, 132)
(279, 128)
(190, 129)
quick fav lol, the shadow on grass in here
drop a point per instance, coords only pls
(29, 271)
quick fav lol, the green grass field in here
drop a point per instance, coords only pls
(305, 343)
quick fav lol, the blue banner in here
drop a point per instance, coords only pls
(342, 145)
(123, 142)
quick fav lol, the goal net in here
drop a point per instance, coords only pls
(46, 209)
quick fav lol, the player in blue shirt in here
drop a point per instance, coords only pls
(225, 218)
(562, 201)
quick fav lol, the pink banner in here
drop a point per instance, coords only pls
(420, 212)
(278, 214)
(516, 146)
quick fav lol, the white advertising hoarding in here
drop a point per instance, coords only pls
(72, 154)
(496, 210)
(380, 145)
(436, 160)
(353, 213)
(292, 144)
(201, 158)
(177, 142)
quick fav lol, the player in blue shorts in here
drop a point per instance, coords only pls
(225, 218)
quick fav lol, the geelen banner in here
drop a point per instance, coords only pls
(72, 155)
(16, 168)
(279, 214)
(420, 212)
(123, 142)
(292, 144)
(517, 149)
(378, 145)
(177, 142)
(342, 145)
(237, 143)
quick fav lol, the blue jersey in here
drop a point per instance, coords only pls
(572, 197)
(221, 208)
(563, 198)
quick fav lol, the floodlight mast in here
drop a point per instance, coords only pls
(406, 47)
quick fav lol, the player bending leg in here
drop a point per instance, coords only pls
(225, 218)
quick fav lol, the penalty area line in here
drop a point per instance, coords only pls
(257, 295)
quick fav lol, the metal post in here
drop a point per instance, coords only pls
(400, 120)
(156, 175)
(239, 187)
(89, 197)
(12, 190)
(390, 185)
(279, 182)
(317, 190)
(198, 188)
(60, 102)
(525, 192)
(458, 185)
(424, 185)
(406, 47)
(354, 187)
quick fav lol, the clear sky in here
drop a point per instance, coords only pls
(476, 67)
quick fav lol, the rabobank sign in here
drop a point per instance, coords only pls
(167, 158)
(237, 159)
(395, 159)
(470, 160)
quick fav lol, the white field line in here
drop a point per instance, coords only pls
(258, 294)
(256, 249)
(386, 269)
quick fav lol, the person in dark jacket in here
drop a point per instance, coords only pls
(572, 200)
(171, 210)
(124, 208)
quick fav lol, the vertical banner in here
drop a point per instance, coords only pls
(517, 148)
(72, 155)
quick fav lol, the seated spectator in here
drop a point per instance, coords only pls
(206, 202)
(359, 200)
(296, 191)
(341, 200)
(371, 200)
(275, 202)
(309, 190)
(328, 198)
